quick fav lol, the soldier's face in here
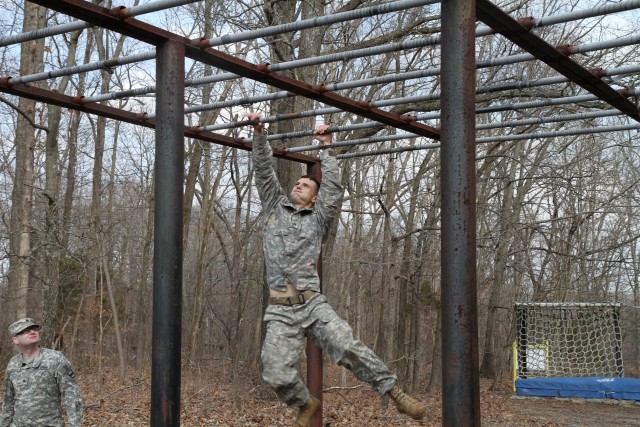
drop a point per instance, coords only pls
(30, 335)
(304, 193)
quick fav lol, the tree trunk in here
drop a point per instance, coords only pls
(508, 218)
(142, 313)
(435, 380)
(408, 284)
(31, 61)
(387, 300)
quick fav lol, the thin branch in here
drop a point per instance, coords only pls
(19, 111)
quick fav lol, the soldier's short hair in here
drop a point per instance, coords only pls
(314, 180)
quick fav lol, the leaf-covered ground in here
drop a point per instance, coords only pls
(211, 402)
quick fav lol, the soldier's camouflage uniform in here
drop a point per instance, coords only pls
(292, 243)
(35, 391)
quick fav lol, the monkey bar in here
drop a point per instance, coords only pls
(127, 12)
(316, 22)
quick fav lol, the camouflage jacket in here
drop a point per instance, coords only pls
(293, 237)
(35, 392)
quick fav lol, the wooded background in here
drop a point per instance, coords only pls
(558, 218)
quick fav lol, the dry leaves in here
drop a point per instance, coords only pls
(206, 402)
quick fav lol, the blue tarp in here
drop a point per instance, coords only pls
(588, 388)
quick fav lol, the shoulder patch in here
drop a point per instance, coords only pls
(66, 370)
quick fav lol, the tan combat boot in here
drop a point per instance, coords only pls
(306, 412)
(407, 404)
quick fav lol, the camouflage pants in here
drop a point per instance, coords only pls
(284, 343)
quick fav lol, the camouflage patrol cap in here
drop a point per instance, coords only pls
(20, 325)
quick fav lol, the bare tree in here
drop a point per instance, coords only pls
(31, 61)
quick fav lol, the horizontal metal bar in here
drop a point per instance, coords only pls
(240, 101)
(276, 118)
(81, 25)
(316, 22)
(555, 134)
(154, 6)
(549, 119)
(349, 143)
(552, 80)
(357, 53)
(592, 12)
(100, 65)
(43, 32)
(389, 151)
(140, 91)
(546, 102)
(151, 89)
(332, 129)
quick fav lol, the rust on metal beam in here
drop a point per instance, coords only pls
(75, 103)
(508, 27)
(97, 15)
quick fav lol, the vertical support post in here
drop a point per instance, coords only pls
(460, 378)
(167, 255)
(314, 353)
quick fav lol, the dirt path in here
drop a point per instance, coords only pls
(569, 412)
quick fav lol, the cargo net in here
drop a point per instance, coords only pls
(567, 340)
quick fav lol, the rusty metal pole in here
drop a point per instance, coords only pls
(460, 377)
(167, 255)
(314, 353)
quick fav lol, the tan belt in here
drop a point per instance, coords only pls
(293, 299)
